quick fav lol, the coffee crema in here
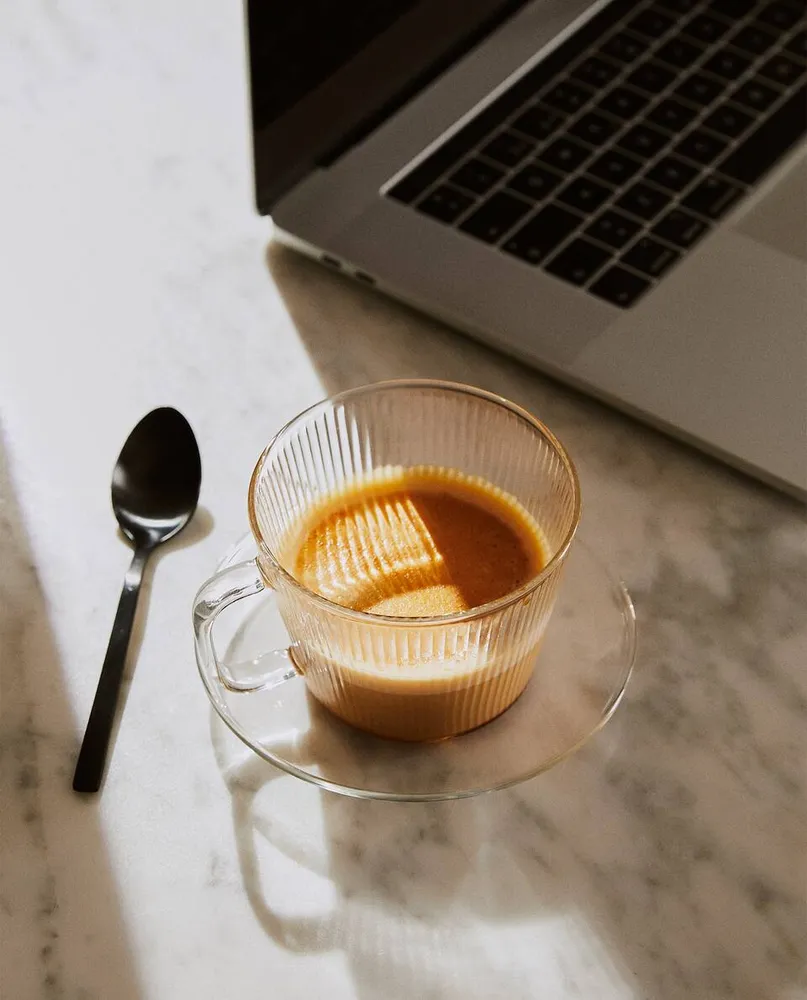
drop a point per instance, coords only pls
(416, 543)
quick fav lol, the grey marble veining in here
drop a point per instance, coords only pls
(665, 861)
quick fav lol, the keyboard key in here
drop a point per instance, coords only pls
(643, 201)
(651, 76)
(680, 6)
(680, 228)
(414, 184)
(542, 234)
(672, 173)
(496, 217)
(798, 45)
(623, 102)
(614, 167)
(712, 197)
(528, 85)
(624, 48)
(728, 120)
(567, 96)
(782, 70)
(700, 89)
(596, 72)
(705, 28)
(700, 146)
(594, 128)
(613, 228)
(781, 16)
(768, 143)
(575, 46)
(584, 194)
(565, 154)
(422, 177)
(755, 95)
(732, 8)
(651, 23)
(480, 128)
(753, 39)
(643, 141)
(672, 115)
(461, 143)
(578, 262)
(679, 52)
(650, 257)
(534, 182)
(728, 64)
(477, 176)
(620, 287)
(508, 148)
(493, 114)
(537, 122)
(445, 203)
(446, 157)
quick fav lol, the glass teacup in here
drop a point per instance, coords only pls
(418, 678)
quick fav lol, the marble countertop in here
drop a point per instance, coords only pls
(667, 860)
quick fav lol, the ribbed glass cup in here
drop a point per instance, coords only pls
(413, 678)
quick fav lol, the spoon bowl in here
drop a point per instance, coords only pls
(156, 480)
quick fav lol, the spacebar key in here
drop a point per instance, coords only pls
(770, 142)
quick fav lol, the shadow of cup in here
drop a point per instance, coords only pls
(366, 854)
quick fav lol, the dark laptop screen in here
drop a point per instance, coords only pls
(324, 72)
(296, 46)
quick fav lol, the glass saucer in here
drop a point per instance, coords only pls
(582, 670)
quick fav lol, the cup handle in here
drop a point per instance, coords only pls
(218, 593)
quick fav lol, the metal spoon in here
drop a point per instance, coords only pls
(155, 489)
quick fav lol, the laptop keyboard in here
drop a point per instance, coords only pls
(612, 157)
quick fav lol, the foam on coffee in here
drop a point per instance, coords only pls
(417, 543)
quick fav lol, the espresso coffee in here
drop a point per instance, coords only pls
(418, 544)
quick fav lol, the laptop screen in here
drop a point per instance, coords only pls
(296, 46)
(323, 73)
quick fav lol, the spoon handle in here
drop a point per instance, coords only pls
(94, 748)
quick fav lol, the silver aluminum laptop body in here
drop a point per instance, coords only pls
(715, 354)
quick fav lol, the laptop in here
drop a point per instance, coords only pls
(613, 192)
